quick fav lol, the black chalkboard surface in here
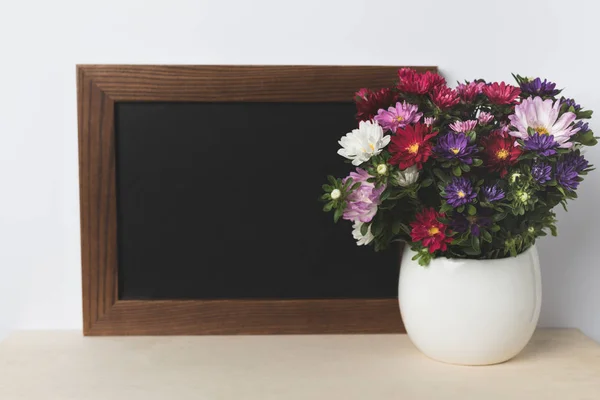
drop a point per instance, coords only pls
(219, 201)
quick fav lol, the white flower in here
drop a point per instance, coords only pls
(407, 177)
(382, 169)
(360, 239)
(363, 143)
(335, 194)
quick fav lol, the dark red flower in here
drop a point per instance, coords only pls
(410, 146)
(444, 97)
(499, 151)
(501, 93)
(368, 102)
(411, 81)
(431, 232)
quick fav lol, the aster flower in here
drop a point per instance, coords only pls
(429, 121)
(472, 223)
(544, 145)
(463, 126)
(492, 193)
(467, 92)
(542, 116)
(568, 169)
(501, 93)
(570, 103)
(444, 97)
(363, 143)
(406, 177)
(536, 87)
(499, 152)
(455, 146)
(399, 116)
(410, 146)
(362, 202)
(459, 192)
(427, 229)
(368, 102)
(484, 117)
(411, 81)
(361, 239)
(541, 172)
(583, 127)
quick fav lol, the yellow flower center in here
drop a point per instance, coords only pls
(502, 154)
(413, 148)
(460, 194)
(433, 231)
(399, 118)
(372, 146)
(454, 150)
(542, 131)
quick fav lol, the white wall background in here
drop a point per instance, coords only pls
(41, 41)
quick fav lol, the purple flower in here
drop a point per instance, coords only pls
(492, 193)
(544, 145)
(583, 127)
(463, 126)
(484, 118)
(362, 202)
(541, 172)
(568, 169)
(538, 88)
(398, 117)
(460, 192)
(474, 223)
(455, 146)
(570, 103)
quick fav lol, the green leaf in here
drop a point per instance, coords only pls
(327, 188)
(460, 209)
(326, 196)
(364, 229)
(332, 180)
(471, 209)
(456, 171)
(355, 186)
(338, 214)
(327, 207)
(465, 167)
(475, 244)
(486, 236)
(440, 174)
(426, 182)
(477, 162)
(377, 227)
(471, 252)
(584, 114)
(499, 216)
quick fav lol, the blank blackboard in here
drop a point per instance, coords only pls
(219, 200)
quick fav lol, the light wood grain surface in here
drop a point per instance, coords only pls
(558, 364)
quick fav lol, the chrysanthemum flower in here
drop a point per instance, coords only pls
(411, 81)
(541, 172)
(499, 152)
(570, 103)
(467, 92)
(544, 145)
(501, 93)
(463, 126)
(361, 239)
(405, 177)
(362, 202)
(492, 193)
(427, 229)
(471, 223)
(444, 97)
(542, 116)
(368, 102)
(484, 117)
(459, 192)
(455, 146)
(568, 169)
(411, 146)
(399, 116)
(363, 143)
(536, 87)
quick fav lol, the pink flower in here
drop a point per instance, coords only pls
(501, 93)
(429, 121)
(444, 97)
(484, 118)
(398, 117)
(363, 202)
(467, 92)
(463, 126)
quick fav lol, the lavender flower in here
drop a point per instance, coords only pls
(484, 118)
(463, 126)
(568, 169)
(536, 87)
(363, 202)
(583, 127)
(570, 103)
(398, 117)
(455, 146)
(492, 193)
(474, 223)
(541, 172)
(544, 145)
(460, 192)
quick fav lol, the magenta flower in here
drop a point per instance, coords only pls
(469, 91)
(429, 121)
(363, 202)
(484, 118)
(463, 126)
(398, 117)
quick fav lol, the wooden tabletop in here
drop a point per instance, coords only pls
(558, 364)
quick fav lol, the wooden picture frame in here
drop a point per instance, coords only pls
(99, 87)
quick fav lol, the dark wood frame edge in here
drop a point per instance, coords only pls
(98, 88)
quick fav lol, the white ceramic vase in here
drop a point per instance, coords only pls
(471, 312)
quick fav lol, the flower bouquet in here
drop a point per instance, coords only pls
(470, 172)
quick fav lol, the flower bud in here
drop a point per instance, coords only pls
(382, 169)
(335, 194)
